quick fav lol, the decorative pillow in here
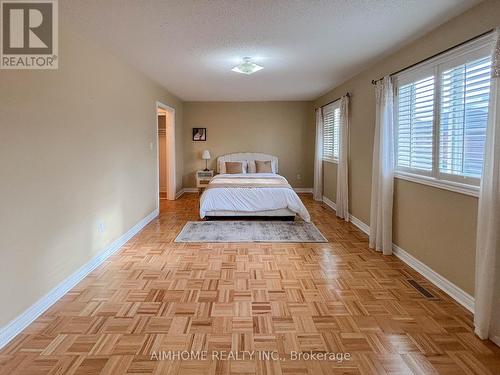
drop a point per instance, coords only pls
(233, 167)
(251, 166)
(222, 166)
(263, 166)
(252, 169)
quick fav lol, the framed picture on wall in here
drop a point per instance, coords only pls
(199, 134)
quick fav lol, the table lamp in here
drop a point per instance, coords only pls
(206, 156)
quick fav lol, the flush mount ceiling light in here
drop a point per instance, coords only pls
(247, 67)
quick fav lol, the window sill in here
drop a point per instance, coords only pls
(441, 184)
(330, 161)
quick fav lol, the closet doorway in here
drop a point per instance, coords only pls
(166, 151)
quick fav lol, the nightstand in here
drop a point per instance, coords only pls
(203, 178)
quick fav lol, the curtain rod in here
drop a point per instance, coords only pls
(333, 101)
(374, 82)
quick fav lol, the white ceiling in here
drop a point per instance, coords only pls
(307, 47)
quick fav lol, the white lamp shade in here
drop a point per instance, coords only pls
(205, 155)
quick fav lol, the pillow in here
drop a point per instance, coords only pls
(222, 166)
(251, 166)
(263, 166)
(233, 167)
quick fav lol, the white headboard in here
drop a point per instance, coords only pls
(247, 156)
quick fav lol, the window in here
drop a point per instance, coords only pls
(463, 117)
(415, 124)
(331, 129)
(441, 116)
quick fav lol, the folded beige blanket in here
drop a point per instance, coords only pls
(250, 183)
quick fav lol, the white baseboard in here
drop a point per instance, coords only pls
(361, 225)
(353, 219)
(462, 297)
(496, 340)
(329, 203)
(459, 295)
(186, 190)
(303, 190)
(358, 223)
(13, 328)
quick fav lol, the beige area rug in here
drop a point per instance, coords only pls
(249, 231)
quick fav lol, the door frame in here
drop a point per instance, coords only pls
(170, 138)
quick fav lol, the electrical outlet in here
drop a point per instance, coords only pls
(101, 227)
(299, 177)
(151, 145)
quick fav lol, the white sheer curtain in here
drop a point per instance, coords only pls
(318, 158)
(382, 170)
(342, 200)
(487, 291)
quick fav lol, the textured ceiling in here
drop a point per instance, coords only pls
(306, 47)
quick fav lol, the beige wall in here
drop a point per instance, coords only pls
(74, 150)
(330, 180)
(284, 129)
(436, 226)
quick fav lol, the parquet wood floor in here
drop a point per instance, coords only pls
(156, 296)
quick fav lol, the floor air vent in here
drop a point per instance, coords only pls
(421, 289)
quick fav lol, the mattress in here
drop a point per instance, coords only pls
(279, 212)
(251, 194)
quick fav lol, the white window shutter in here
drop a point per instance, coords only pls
(415, 125)
(331, 131)
(463, 118)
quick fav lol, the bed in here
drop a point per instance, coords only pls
(250, 195)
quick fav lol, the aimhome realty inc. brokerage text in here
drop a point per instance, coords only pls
(222, 355)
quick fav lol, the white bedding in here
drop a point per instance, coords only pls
(246, 199)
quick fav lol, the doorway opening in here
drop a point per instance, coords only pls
(166, 151)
